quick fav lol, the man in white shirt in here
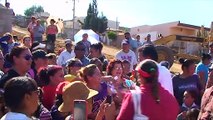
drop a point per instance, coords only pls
(126, 54)
(67, 54)
(165, 77)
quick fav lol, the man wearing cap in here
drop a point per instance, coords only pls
(67, 54)
(126, 54)
(148, 40)
(133, 43)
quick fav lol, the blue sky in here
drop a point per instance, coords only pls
(129, 13)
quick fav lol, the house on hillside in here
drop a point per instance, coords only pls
(172, 28)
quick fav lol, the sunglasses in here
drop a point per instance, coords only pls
(28, 57)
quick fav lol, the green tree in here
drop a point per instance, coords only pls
(93, 21)
(112, 35)
(32, 10)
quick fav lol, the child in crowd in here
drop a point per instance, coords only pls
(188, 103)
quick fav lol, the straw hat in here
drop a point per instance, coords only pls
(72, 91)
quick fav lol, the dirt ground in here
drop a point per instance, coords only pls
(108, 51)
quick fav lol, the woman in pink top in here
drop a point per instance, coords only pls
(51, 32)
(51, 75)
(156, 102)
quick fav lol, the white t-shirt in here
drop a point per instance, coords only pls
(165, 78)
(64, 56)
(130, 56)
(15, 116)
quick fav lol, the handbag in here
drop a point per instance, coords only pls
(136, 97)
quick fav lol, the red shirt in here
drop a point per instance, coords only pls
(166, 109)
(48, 96)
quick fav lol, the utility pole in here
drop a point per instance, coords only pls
(73, 26)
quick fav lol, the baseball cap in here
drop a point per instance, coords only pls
(68, 41)
(39, 54)
(75, 90)
(125, 41)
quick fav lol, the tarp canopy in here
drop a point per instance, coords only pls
(92, 36)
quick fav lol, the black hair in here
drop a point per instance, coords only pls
(15, 90)
(79, 44)
(186, 63)
(16, 51)
(206, 56)
(192, 114)
(72, 63)
(148, 51)
(125, 61)
(192, 93)
(126, 33)
(34, 45)
(45, 73)
(150, 67)
(97, 46)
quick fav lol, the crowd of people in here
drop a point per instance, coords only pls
(37, 83)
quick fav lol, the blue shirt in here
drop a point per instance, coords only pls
(202, 68)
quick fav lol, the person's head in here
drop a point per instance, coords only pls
(97, 62)
(33, 19)
(95, 50)
(21, 58)
(38, 21)
(73, 66)
(27, 41)
(1, 60)
(148, 37)
(147, 52)
(115, 68)
(51, 75)
(7, 5)
(125, 46)
(188, 66)
(73, 91)
(52, 21)
(147, 73)
(51, 57)
(206, 59)
(39, 59)
(91, 74)
(138, 37)
(192, 114)
(189, 97)
(84, 36)
(126, 67)
(68, 45)
(127, 35)
(10, 37)
(21, 95)
(80, 50)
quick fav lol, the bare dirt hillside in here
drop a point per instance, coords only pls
(108, 51)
